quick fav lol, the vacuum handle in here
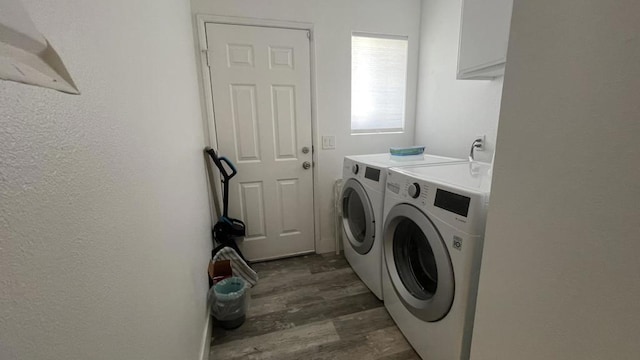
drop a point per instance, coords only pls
(213, 155)
(218, 161)
(231, 166)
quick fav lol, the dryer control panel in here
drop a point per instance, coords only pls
(371, 176)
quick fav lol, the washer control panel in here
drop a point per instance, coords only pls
(455, 206)
(414, 190)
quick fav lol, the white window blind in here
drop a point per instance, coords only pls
(378, 83)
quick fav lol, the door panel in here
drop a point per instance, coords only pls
(284, 122)
(252, 209)
(288, 195)
(245, 122)
(260, 80)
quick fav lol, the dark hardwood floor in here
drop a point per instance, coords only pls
(312, 307)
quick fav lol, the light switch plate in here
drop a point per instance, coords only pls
(328, 142)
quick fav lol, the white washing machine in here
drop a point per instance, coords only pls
(362, 207)
(433, 235)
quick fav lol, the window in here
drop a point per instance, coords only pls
(378, 83)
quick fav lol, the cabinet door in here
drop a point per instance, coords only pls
(484, 36)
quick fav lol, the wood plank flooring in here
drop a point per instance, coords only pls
(312, 307)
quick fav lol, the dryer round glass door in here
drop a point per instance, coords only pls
(357, 217)
(418, 263)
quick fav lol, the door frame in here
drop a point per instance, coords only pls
(209, 120)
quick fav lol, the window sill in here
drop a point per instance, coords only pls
(393, 132)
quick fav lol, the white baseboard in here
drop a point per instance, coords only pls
(205, 349)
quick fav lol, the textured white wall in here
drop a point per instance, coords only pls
(104, 221)
(450, 112)
(560, 277)
(334, 20)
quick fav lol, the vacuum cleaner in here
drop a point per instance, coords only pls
(227, 229)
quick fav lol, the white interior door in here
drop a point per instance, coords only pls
(261, 86)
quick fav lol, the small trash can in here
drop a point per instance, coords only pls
(229, 305)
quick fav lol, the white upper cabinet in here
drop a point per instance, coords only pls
(484, 35)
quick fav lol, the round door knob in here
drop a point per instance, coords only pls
(355, 168)
(414, 190)
(306, 165)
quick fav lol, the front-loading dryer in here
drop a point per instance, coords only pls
(362, 200)
(433, 235)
